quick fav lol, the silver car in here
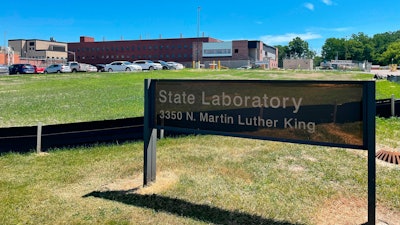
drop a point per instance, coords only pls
(3, 69)
(122, 66)
(148, 65)
(175, 65)
(58, 68)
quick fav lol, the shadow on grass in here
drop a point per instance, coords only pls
(179, 207)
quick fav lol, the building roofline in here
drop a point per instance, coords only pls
(152, 39)
(21, 39)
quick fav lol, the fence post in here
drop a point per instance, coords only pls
(392, 101)
(39, 138)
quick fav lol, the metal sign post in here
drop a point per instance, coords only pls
(150, 137)
(370, 132)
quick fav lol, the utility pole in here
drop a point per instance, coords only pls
(198, 38)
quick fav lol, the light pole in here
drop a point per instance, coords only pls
(198, 38)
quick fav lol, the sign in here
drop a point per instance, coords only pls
(329, 113)
(314, 112)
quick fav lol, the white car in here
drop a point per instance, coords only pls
(58, 68)
(148, 65)
(175, 65)
(91, 68)
(122, 66)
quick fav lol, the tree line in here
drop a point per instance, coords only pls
(380, 49)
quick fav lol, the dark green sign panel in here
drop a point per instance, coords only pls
(313, 112)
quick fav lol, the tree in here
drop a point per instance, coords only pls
(334, 48)
(299, 48)
(283, 53)
(366, 45)
(354, 50)
(391, 55)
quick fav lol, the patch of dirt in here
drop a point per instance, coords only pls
(165, 180)
(352, 211)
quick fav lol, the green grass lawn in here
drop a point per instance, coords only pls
(67, 98)
(200, 179)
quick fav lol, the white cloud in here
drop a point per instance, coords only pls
(309, 6)
(286, 38)
(327, 2)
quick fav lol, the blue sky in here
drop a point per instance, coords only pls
(274, 22)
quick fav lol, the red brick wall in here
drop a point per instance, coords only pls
(4, 58)
(178, 49)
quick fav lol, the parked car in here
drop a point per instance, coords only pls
(244, 68)
(91, 68)
(3, 69)
(148, 65)
(38, 69)
(122, 66)
(100, 67)
(58, 68)
(175, 65)
(78, 67)
(164, 65)
(21, 69)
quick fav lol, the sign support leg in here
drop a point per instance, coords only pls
(150, 138)
(371, 126)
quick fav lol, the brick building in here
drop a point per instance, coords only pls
(184, 50)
